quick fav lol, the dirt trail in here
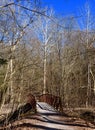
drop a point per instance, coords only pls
(49, 119)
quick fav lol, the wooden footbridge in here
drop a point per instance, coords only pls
(46, 118)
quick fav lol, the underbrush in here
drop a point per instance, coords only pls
(87, 114)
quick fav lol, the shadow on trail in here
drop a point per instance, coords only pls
(49, 114)
(48, 120)
(29, 125)
(44, 120)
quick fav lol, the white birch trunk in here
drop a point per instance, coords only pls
(44, 90)
(87, 42)
(93, 77)
(11, 74)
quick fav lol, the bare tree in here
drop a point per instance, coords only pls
(44, 30)
(88, 24)
(12, 31)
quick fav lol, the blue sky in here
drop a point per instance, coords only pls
(67, 7)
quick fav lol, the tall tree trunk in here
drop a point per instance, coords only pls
(13, 47)
(88, 87)
(45, 72)
(11, 80)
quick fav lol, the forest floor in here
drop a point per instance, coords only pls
(48, 118)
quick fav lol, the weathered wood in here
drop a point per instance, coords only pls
(15, 115)
(30, 105)
(21, 110)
